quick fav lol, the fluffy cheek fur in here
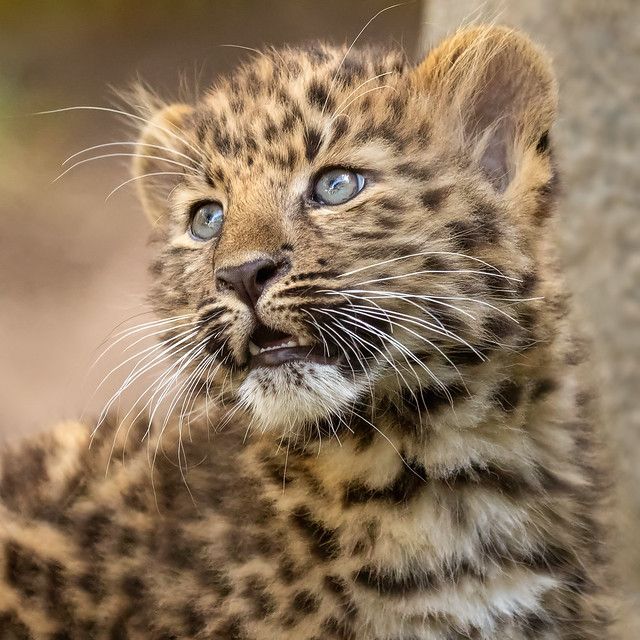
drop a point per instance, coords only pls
(291, 398)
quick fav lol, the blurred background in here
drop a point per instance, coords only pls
(73, 266)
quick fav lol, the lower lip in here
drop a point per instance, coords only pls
(277, 357)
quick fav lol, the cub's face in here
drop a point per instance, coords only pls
(330, 229)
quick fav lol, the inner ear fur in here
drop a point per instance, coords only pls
(153, 167)
(495, 92)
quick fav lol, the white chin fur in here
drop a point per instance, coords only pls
(295, 394)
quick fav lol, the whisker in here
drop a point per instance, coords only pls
(133, 116)
(189, 391)
(483, 303)
(327, 351)
(159, 384)
(368, 345)
(372, 300)
(180, 338)
(348, 51)
(423, 323)
(374, 313)
(164, 384)
(182, 391)
(403, 350)
(121, 155)
(395, 294)
(364, 93)
(124, 419)
(354, 349)
(380, 75)
(129, 143)
(423, 271)
(145, 175)
(166, 353)
(239, 46)
(417, 255)
(126, 333)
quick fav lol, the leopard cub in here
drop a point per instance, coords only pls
(380, 426)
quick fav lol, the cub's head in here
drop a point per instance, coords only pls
(336, 227)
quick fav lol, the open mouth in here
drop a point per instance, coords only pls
(270, 348)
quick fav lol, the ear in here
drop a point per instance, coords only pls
(496, 91)
(161, 153)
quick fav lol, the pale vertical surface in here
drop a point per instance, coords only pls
(596, 50)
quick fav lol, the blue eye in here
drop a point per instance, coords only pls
(337, 186)
(207, 221)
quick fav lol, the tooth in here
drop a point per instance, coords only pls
(254, 349)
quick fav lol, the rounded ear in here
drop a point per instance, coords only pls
(496, 91)
(162, 156)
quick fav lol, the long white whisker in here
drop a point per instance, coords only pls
(417, 255)
(179, 392)
(180, 338)
(130, 143)
(374, 313)
(352, 347)
(402, 348)
(434, 328)
(120, 112)
(380, 75)
(204, 375)
(160, 332)
(144, 175)
(398, 373)
(174, 372)
(239, 46)
(327, 351)
(369, 345)
(423, 271)
(135, 374)
(423, 323)
(483, 303)
(348, 51)
(396, 294)
(190, 391)
(126, 333)
(159, 384)
(360, 95)
(122, 155)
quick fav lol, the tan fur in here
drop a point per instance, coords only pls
(443, 480)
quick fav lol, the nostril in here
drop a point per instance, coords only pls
(223, 283)
(264, 274)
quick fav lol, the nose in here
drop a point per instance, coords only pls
(250, 279)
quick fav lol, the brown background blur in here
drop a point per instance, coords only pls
(73, 266)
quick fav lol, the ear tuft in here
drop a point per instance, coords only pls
(161, 151)
(496, 90)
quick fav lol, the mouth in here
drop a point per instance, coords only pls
(272, 348)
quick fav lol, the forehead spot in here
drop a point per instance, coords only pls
(312, 142)
(318, 96)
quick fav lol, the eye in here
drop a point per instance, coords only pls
(206, 222)
(337, 186)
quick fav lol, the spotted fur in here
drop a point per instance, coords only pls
(443, 480)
